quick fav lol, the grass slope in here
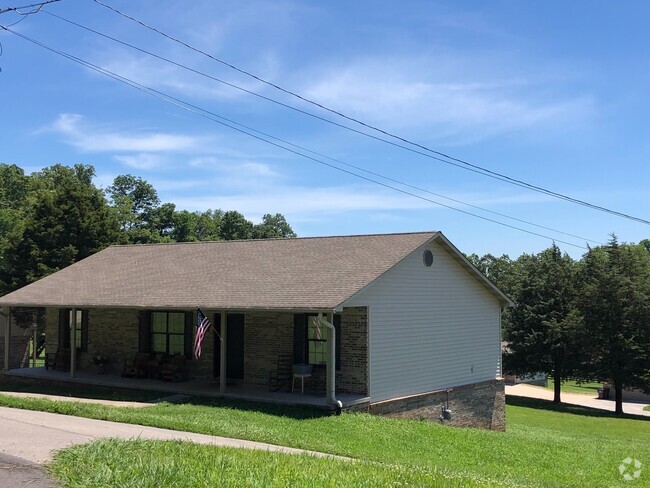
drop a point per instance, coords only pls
(177, 464)
(544, 446)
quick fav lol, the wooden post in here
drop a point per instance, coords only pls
(224, 339)
(73, 343)
(7, 314)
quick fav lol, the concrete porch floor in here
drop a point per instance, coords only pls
(253, 393)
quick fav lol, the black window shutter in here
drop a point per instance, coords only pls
(84, 331)
(64, 328)
(299, 345)
(337, 327)
(189, 334)
(144, 335)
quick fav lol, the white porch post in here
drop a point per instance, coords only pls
(73, 343)
(7, 331)
(330, 367)
(222, 358)
(35, 338)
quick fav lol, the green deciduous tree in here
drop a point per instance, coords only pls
(614, 283)
(273, 226)
(235, 226)
(68, 219)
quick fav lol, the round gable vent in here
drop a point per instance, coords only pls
(427, 257)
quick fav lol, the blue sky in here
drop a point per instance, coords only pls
(553, 93)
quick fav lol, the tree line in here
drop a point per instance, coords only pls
(55, 217)
(586, 319)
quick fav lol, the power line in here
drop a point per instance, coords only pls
(265, 137)
(37, 7)
(449, 159)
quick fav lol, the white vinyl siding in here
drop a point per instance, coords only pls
(430, 328)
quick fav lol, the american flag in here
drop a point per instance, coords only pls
(202, 326)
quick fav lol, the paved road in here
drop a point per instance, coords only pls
(15, 472)
(531, 391)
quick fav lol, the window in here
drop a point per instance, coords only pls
(66, 319)
(310, 340)
(168, 332)
(80, 332)
(317, 336)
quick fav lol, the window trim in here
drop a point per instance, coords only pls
(167, 333)
(65, 329)
(337, 317)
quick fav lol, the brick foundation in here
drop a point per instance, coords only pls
(476, 405)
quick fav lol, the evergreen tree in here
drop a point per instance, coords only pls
(614, 282)
(545, 323)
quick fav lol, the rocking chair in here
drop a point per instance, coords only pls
(281, 377)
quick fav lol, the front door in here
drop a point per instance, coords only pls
(234, 346)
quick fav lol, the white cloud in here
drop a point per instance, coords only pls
(143, 161)
(83, 136)
(441, 98)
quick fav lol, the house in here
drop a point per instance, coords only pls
(401, 322)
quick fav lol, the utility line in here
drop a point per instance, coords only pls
(232, 125)
(39, 6)
(449, 159)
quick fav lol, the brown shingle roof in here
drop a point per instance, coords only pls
(307, 273)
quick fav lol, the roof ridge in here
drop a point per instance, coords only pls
(272, 239)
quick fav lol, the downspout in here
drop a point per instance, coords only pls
(331, 362)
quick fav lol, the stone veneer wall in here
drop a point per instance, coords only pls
(476, 405)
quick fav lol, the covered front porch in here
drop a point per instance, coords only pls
(240, 352)
(192, 387)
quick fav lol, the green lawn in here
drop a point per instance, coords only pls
(590, 388)
(178, 464)
(545, 445)
(647, 408)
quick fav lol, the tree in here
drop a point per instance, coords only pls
(615, 302)
(235, 226)
(273, 226)
(68, 219)
(141, 196)
(545, 322)
(196, 226)
(14, 190)
(140, 215)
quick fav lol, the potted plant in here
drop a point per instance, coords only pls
(100, 361)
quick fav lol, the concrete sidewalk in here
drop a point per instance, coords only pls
(34, 436)
(539, 392)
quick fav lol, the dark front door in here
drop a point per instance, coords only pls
(234, 346)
